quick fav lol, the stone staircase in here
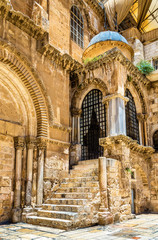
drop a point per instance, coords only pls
(75, 204)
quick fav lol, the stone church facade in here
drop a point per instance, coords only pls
(78, 132)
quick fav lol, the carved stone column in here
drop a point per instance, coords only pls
(30, 147)
(34, 180)
(105, 217)
(41, 155)
(75, 149)
(16, 212)
(116, 120)
(76, 113)
(142, 128)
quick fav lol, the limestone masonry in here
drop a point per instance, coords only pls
(78, 120)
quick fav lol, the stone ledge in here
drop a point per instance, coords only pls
(116, 54)
(54, 141)
(65, 60)
(113, 96)
(21, 21)
(61, 127)
(132, 144)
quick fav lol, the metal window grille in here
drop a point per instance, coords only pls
(77, 26)
(155, 140)
(155, 63)
(132, 125)
(92, 125)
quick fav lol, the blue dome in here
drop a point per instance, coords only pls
(107, 36)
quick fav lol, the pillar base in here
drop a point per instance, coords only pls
(105, 217)
(16, 215)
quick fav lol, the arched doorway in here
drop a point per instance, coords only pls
(92, 125)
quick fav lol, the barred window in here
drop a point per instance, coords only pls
(77, 26)
(132, 125)
(155, 140)
(92, 125)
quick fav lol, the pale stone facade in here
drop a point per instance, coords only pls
(40, 119)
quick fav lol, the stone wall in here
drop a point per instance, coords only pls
(154, 183)
(25, 8)
(56, 168)
(6, 176)
(151, 50)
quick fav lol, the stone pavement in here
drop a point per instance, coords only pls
(144, 227)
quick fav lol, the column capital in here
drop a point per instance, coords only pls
(107, 98)
(19, 142)
(30, 141)
(142, 116)
(41, 143)
(76, 112)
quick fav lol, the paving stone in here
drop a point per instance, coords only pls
(121, 231)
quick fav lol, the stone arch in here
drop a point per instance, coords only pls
(86, 86)
(35, 87)
(138, 96)
(17, 108)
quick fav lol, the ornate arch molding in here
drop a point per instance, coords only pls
(86, 86)
(140, 95)
(34, 85)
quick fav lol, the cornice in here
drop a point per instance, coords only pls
(54, 141)
(96, 7)
(116, 54)
(65, 60)
(21, 21)
(132, 144)
(113, 96)
(61, 127)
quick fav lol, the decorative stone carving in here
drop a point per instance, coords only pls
(108, 142)
(84, 85)
(116, 54)
(113, 96)
(76, 112)
(20, 65)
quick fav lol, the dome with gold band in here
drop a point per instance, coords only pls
(105, 41)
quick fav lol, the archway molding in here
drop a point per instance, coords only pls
(138, 96)
(18, 63)
(17, 106)
(83, 89)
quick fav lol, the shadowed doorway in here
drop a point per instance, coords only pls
(92, 125)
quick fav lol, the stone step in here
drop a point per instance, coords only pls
(49, 222)
(57, 214)
(67, 208)
(78, 190)
(85, 166)
(80, 179)
(66, 201)
(72, 195)
(80, 184)
(83, 173)
(88, 162)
